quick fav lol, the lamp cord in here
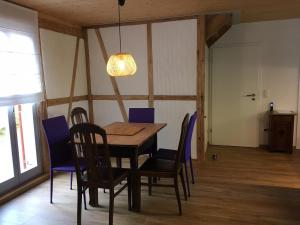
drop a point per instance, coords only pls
(120, 27)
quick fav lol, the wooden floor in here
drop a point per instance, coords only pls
(242, 187)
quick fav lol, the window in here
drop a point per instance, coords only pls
(20, 92)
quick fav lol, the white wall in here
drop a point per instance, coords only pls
(174, 68)
(58, 52)
(280, 62)
(174, 47)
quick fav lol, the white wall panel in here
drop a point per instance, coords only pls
(175, 57)
(134, 41)
(58, 110)
(135, 104)
(100, 82)
(80, 83)
(106, 112)
(58, 58)
(172, 113)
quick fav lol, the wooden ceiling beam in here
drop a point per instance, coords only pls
(50, 23)
(217, 26)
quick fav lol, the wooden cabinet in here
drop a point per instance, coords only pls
(281, 129)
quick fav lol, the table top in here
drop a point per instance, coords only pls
(145, 131)
(123, 129)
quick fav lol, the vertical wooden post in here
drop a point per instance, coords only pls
(150, 66)
(88, 76)
(200, 86)
(73, 79)
(43, 76)
(43, 114)
(112, 79)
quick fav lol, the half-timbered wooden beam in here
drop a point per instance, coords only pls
(73, 79)
(147, 97)
(217, 26)
(65, 100)
(43, 114)
(54, 24)
(150, 66)
(88, 76)
(200, 86)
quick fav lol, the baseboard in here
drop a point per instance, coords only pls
(23, 188)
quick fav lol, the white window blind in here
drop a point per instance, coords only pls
(20, 61)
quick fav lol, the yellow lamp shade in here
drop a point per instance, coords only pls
(121, 64)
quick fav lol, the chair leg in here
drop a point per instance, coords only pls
(177, 194)
(79, 204)
(71, 180)
(192, 170)
(84, 199)
(111, 206)
(150, 186)
(183, 184)
(119, 162)
(51, 186)
(187, 179)
(129, 192)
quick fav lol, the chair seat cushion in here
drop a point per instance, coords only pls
(163, 153)
(157, 167)
(67, 167)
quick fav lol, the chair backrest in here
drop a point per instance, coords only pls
(182, 140)
(90, 148)
(188, 143)
(58, 136)
(141, 115)
(79, 115)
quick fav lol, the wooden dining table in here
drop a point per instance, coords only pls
(129, 140)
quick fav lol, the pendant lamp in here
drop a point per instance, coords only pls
(121, 64)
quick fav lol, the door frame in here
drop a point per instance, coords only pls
(259, 88)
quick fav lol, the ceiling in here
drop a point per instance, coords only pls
(98, 12)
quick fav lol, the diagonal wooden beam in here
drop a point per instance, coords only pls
(88, 76)
(150, 66)
(112, 79)
(73, 79)
(217, 26)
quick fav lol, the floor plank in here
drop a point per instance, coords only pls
(244, 186)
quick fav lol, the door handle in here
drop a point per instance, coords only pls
(250, 95)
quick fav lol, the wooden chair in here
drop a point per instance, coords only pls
(100, 173)
(79, 115)
(155, 167)
(170, 154)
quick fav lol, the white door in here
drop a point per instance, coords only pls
(235, 96)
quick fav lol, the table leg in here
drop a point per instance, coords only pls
(93, 197)
(135, 192)
(155, 147)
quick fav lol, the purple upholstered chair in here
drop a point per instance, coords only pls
(142, 115)
(170, 154)
(60, 150)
